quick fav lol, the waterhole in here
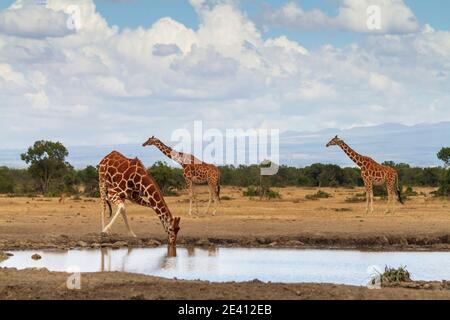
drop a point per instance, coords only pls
(241, 264)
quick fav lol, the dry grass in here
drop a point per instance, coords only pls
(238, 216)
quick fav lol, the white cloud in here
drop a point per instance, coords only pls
(7, 73)
(38, 100)
(396, 16)
(33, 21)
(285, 43)
(99, 81)
(163, 50)
(353, 15)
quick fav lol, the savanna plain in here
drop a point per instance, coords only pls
(297, 220)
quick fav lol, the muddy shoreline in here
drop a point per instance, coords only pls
(378, 243)
(40, 284)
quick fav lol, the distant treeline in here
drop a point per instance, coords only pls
(170, 179)
(50, 174)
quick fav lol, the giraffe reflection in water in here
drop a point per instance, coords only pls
(106, 257)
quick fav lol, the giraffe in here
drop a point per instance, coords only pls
(123, 179)
(195, 171)
(372, 174)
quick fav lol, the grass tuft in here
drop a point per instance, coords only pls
(318, 195)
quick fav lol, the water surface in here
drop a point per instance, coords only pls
(241, 264)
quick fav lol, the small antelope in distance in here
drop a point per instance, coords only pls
(372, 174)
(63, 197)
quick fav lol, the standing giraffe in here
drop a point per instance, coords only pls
(372, 174)
(195, 171)
(123, 179)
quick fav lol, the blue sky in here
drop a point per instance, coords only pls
(135, 13)
(299, 65)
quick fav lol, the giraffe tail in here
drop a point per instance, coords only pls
(218, 191)
(104, 198)
(109, 207)
(399, 192)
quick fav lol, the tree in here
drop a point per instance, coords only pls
(6, 185)
(444, 155)
(89, 178)
(444, 183)
(167, 178)
(47, 163)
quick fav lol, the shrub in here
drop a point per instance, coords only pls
(251, 192)
(444, 186)
(359, 197)
(391, 276)
(270, 194)
(267, 193)
(343, 209)
(318, 195)
(409, 192)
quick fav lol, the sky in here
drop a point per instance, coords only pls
(108, 72)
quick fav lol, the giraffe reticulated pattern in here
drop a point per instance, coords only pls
(121, 179)
(195, 171)
(372, 174)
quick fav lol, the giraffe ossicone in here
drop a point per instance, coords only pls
(372, 174)
(121, 179)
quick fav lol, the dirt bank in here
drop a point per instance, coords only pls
(41, 284)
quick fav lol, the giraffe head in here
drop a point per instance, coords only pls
(334, 142)
(173, 231)
(151, 141)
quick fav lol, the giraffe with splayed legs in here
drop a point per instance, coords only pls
(123, 179)
(195, 171)
(372, 174)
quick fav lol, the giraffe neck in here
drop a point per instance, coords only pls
(169, 152)
(156, 201)
(352, 154)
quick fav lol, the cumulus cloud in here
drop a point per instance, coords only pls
(353, 15)
(33, 21)
(163, 50)
(98, 81)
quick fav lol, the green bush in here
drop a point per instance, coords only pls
(394, 276)
(267, 193)
(169, 179)
(409, 192)
(444, 186)
(251, 191)
(318, 195)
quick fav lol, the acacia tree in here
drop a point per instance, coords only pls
(444, 156)
(47, 162)
(444, 188)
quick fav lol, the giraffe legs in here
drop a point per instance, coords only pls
(103, 199)
(369, 197)
(210, 200)
(125, 219)
(192, 198)
(212, 197)
(121, 206)
(391, 197)
(216, 199)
